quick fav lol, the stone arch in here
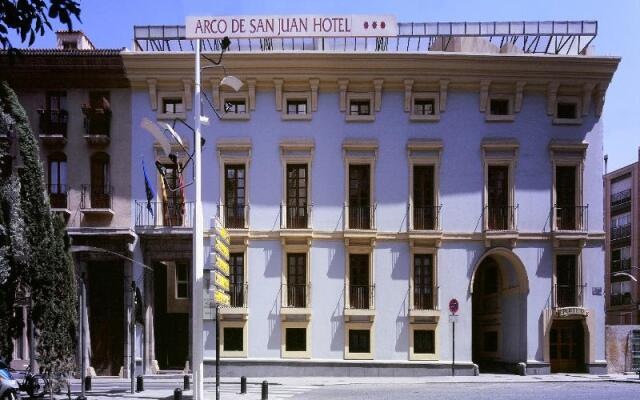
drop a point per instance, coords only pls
(519, 269)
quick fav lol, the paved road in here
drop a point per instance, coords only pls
(482, 391)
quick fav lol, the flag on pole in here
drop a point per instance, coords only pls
(151, 193)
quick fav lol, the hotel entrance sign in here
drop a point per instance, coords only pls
(290, 26)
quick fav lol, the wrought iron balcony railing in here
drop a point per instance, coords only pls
(157, 214)
(425, 218)
(360, 217)
(361, 297)
(53, 122)
(501, 218)
(296, 295)
(96, 197)
(620, 299)
(568, 295)
(621, 232)
(571, 218)
(235, 217)
(238, 295)
(425, 297)
(97, 121)
(295, 217)
(623, 265)
(57, 195)
(620, 200)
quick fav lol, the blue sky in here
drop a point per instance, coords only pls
(110, 24)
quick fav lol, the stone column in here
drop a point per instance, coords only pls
(130, 317)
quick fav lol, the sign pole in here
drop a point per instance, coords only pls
(453, 309)
(198, 245)
(217, 351)
(453, 360)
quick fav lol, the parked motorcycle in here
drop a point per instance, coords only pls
(8, 384)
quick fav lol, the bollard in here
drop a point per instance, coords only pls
(87, 383)
(139, 383)
(265, 390)
(68, 390)
(243, 385)
(185, 383)
(177, 394)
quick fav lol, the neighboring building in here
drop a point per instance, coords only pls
(622, 223)
(366, 184)
(79, 104)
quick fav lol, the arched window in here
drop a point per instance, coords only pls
(57, 180)
(100, 181)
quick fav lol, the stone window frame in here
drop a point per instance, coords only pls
(567, 154)
(360, 152)
(297, 248)
(359, 96)
(422, 152)
(297, 151)
(433, 251)
(230, 96)
(436, 342)
(234, 151)
(225, 323)
(359, 326)
(435, 96)
(567, 251)
(290, 95)
(577, 100)
(511, 116)
(160, 114)
(306, 324)
(495, 152)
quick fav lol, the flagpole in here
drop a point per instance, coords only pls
(198, 246)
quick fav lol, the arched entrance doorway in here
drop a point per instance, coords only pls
(499, 289)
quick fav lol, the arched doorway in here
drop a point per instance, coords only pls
(499, 289)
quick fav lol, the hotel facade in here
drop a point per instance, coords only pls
(365, 184)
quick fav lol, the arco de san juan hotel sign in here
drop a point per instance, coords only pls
(291, 26)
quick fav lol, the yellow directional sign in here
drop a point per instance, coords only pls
(221, 232)
(222, 265)
(222, 298)
(221, 281)
(222, 249)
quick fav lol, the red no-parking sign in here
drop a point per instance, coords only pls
(453, 306)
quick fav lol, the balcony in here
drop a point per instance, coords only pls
(97, 125)
(621, 232)
(425, 218)
(620, 299)
(235, 217)
(425, 303)
(621, 201)
(159, 214)
(568, 296)
(58, 199)
(296, 217)
(296, 299)
(623, 265)
(96, 200)
(571, 218)
(53, 126)
(360, 217)
(360, 301)
(238, 304)
(501, 218)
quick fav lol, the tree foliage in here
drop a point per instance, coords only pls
(29, 18)
(38, 250)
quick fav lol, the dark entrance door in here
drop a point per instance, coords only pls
(106, 316)
(171, 330)
(486, 317)
(566, 346)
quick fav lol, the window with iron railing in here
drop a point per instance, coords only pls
(568, 292)
(296, 287)
(173, 202)
(361, 291)
(620, 199)
(569, 215)
(499, 213)
(97, 114)
(235, 196)
(423, 282)
(360, 209)
(621, 259)
(57, 174)
(620, 291)
(237, 284)
(297, 203)
(425, 213)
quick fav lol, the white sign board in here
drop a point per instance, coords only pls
(257, 26)
(453, 318)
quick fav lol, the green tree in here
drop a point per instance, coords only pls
(29, 18)
(48, 274)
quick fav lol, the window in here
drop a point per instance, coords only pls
(360, 289)
(568, 110)
(621, 226)
(182, 280)
(424, 107)
(359, 107)
(58, 180)
(499, 107)
(566, 210)
(97, 117)
(621, 220)
(296, 106)
(296, 211)
(233, 339)
(237, 106)
(172, 105)
(566, 281)
(99, 100)
(172, 196)
(100, 188)
(296, 280)
(234, 196)
(296, 339)
(360, 212)
(69, 45)
(424, 341)
(236, 280)
(56, 101)
(424, 210)
(423, 285)
(498, 207)
(359, 341)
